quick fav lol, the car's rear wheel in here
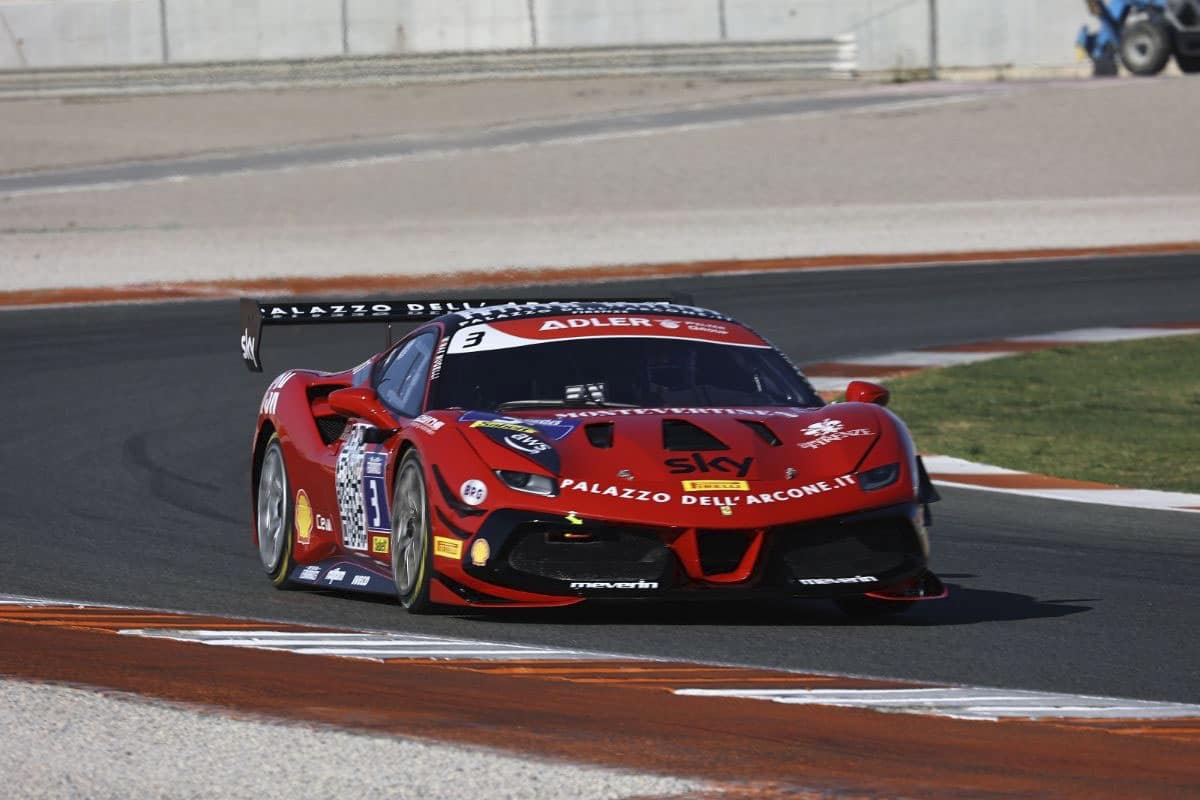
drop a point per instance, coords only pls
(411, 553)
(275, 513)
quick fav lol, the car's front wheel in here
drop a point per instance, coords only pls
(275, 513)
(411, 553)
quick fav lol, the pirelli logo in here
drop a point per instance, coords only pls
(716, 486)
(447, 548)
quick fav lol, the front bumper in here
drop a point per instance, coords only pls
(530, 554)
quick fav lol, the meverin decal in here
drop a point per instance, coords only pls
(828, 431)
(831, 581)
(697, 462)
(614, 584)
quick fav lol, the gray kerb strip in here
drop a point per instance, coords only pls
(966, 702)
(400, 147)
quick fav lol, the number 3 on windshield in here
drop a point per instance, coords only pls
(473, 339)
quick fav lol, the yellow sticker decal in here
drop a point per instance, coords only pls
(500, 424)
(716, 486)
(726, 511)
(447, 548)
(481, 551)
(574, 519)
(381, 544)
(303, 517)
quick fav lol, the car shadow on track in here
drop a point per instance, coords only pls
(964, 606)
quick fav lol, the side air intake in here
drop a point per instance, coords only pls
(762, 431)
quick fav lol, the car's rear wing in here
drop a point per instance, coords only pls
(255, 314)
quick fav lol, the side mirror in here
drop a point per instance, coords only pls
(361, 402)
(861, 392)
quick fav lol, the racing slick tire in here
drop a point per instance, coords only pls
(275, 515)
(1145, 47)
(862, 607)
(412, 556)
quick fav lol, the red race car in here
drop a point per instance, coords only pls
(543, 453)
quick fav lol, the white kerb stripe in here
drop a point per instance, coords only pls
(924, 358)
(966, 703)
(948, 465)
(1086, 335)
(375, 646)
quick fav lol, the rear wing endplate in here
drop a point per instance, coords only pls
(255, 314)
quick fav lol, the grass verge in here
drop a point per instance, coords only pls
(1126, 413)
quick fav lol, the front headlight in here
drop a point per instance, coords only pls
(879, 477)
(528, 482)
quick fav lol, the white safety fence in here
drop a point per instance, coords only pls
(890, 34)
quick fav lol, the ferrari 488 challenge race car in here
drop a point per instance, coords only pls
(543, 453)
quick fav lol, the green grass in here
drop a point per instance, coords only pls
(1125, 413)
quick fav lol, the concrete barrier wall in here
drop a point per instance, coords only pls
(233, 30)
(34, 35)
(377, 27)
(892, 34)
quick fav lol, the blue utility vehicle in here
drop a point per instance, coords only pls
(1144, 34)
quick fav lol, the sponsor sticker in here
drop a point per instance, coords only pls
(697, 462)
(428, 424)
(503, 425)
(716, 486)
(310, 573)
(614, 584)
(473, 492)
(556, 429)
(638, 495)
(360, 580)
(831, 581)
(447, 548)
(381, 544)
(335, 575)
(574, 518)
(828, 431)
(481, 551)
(375, 493)
(303, 518)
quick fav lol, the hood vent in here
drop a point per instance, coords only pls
(679, 434)
(600, 434)
(762, 431)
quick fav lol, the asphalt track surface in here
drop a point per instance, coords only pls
(126, 481)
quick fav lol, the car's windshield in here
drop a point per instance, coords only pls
(632, 371)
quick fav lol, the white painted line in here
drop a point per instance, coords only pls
(376, 646)
(925, 358)
(966, 702)
(1087, 335)
(1123, 498)
(960, 466)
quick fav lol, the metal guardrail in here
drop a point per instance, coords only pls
(820, 58)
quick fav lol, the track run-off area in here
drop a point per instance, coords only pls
(1063, 663)
(134, 491)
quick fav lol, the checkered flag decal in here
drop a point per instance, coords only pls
(349, 490)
